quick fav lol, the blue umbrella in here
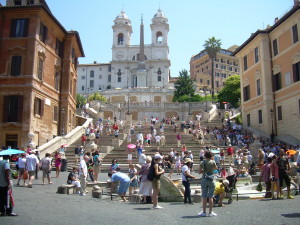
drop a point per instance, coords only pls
(11, 152)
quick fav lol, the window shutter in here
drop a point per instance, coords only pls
(20, 108)
(45, 34)
(13, 28)
(35, 106)
(26, 28)
(5, 108)
(42, 107)
(294, 72)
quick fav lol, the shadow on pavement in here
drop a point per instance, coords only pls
(142, 208)
(191, 217)
(291, 215)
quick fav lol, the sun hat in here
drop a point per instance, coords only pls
(187, 160)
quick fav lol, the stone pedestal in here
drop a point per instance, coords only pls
(128, 119)
(197, 196)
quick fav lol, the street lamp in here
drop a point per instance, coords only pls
(128, 112)
(63, 124)
(205, 93)
(272, 118)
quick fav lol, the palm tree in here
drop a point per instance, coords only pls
(212, 47)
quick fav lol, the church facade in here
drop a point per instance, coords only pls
(139, 69)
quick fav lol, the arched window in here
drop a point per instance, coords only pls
(120, 39)
(159, 74)
(133, 58)
(119, 76)
(159, 37)
(138, 57)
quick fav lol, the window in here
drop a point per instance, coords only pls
(120, 39)
(82, 77)
(217, 65)
(258, 91)
(277, 82)
(91, 83)
(245, 63)
(201, 81)
(82, 88)
(40, 69)
(230, 68)
(43, 32)
(279, 113)
(248, 120)
(55, 113)
(159, 38)
(92, 73)
(275, 47)
(13, 108)
(38, 107)
(119, 76)
(100, 88)
(296, 71)
(287, 79)
(159, 74)
(109, 78)
(109, 68)
(207, 82)
(16, 65)
(217, 84)
(256, 55)
(30, 2)
(57, 80)
(19, 27)
(246, 92)
(59, 48)
(223, 67)
(100, 69)
(18, 2)
(295, 33)
(71, 86)
(259, 116)
(222, 60)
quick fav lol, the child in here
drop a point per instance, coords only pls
(133, 179)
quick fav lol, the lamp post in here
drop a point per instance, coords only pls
(63, 124)
(272, 118)
(128, 107)
(205, 93)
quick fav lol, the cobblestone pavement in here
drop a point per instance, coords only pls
(42, 205)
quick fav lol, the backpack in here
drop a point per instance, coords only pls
(151, 173)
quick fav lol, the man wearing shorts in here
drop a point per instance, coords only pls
(31, 165)
(124, 183)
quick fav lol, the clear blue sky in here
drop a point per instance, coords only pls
(191, 23)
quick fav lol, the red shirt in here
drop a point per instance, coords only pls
(230, 151)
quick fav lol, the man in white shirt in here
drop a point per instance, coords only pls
(83, 174)
(31, 165)
(157, 139)
(162, 140)
(142, 158)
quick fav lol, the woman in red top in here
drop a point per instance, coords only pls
(83, 140)
(57, 163)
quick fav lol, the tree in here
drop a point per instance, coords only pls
(80, 100)
(212, 47)
(231, 92)
(97, 96)
(184, 86)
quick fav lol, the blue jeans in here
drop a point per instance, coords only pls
(208, 188)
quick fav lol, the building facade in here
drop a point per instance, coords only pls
(225, 65)
(127, 69)
(270, 75)
(38, 74)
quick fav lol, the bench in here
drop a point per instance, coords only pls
(65, 189)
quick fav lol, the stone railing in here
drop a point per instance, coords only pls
(54, 144)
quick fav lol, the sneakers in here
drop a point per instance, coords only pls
(157, 207)
(202, 214)
(212, 214)
(290, 197)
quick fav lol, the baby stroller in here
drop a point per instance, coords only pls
(252, 168)
(230, 188)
